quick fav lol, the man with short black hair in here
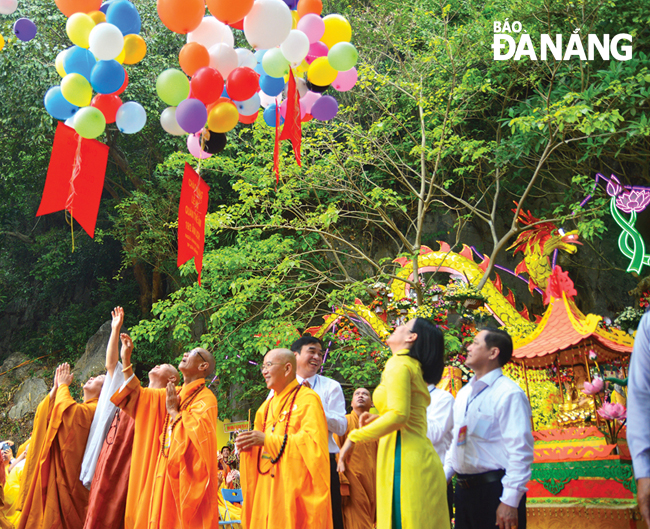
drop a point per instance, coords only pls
(492, 445)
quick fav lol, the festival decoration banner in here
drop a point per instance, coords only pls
(191, 219)
(75, 178)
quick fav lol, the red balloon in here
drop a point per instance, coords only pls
(207, 85)
(108, 104)
(238, 25)
(247, 120)
(124, 85)
(306, 118)
(243, 83)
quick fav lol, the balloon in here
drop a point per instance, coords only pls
(24, 29)
(321, 73)
(106, 41)
(317, 88)
(76, 89)
(238, 25)
(89, 122)
(270, 117)
(307, 117)
(191, 115)
(78, 60)
(337, 29)
(97, 16)
(169, 123)
(7, 7)
(78, 28)
(325, 108)
(267, 24)
(301, 86)
(317, 49)
(248, 107)
(192, 57)
(70, 7)
(135, 48)
(306, 7)
(313, 26)
(194, 146)
(181, 16)
(342, 56)
(265, 100)
(210, 32)
(271, 86)
(108, 105)
(308, 100)
(283, 109)
(294, 19)
(2, 42)
(60, 59)
(124, 84)
(223, 117)
(223, 58)
(130, 118)
(345, 80)
(246, 58)
(259, 55)
(295, 47)
(291, 4)
(172, 86)
(207, 85)
(107, 77)
(125, 17)
(247, 120)
(229, 11)
(275, 64)
(242, 84)
(213, 142)
(57, 106)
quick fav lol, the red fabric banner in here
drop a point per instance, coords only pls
(292, 129)
(191, 219)
(75, 177)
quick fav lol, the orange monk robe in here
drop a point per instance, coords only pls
(4, 522)
(360, 476)
(295, 492)
(12, 488)
(185, 488)
(148, 409)
(56, 498)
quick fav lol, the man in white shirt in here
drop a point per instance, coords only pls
(309, 359)
(440, 423)
(491, 451)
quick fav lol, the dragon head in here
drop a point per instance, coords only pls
(561, 240)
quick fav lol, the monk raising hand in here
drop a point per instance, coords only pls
(173, 403)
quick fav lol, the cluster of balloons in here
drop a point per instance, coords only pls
(24, 28)
(105, 37)
(228, 85)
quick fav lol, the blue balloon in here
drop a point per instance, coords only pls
(125, 16)
(269, 115)
(248, 107)
(225, 92)
(291, 4)
(130, 118)
(107, 77)
(259, 55)
(57, 106)
(79, 60)
(104, 7)
(271, 86)
(259, 69)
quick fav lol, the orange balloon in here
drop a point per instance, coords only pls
(229, 11)
(97, 16)
(181, 16)
(309, 6)
(70, 7)
(192, 57)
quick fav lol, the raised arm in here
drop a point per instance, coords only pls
(111, 349)
(127, 349)
(55, 383)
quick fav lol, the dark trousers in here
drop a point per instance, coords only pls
(476, 507)
(337, 513)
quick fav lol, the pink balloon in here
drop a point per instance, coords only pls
(309, 99)
(345, 80)
(313, 26)
(283, 109)
(194, 146)
(317, 49)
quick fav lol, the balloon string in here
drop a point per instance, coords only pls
(76, 170)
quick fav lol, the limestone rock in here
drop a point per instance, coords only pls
(14, 375)
(93, 361)
(29, 395)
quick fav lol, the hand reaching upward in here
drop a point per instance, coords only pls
(118, 319)
(65, 377)
(173, 403)
(55, 383)
(127, 349)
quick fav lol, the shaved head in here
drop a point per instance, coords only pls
(279, 369)
(160, 375)
(197, 363)
(361, 400)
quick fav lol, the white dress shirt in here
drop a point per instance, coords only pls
(497, 415)
(638, 401)
(440, 420)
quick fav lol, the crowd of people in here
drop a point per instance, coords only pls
(147, 457)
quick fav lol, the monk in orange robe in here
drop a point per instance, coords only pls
(285, 467)
(53, 495)
(358, 482)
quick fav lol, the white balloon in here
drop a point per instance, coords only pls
(267, 24)
(169, 123)
(210, 32)
(295, 47)
(266, 100)
(69, 122)
(223, 59)
(8, 6)
(106, 41)
(250, 106)
(246, 58)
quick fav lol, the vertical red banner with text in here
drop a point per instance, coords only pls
(191, 219)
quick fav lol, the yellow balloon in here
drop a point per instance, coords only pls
(295, 17)
(321, 73)
(76, 89)
(58, 63)
(120, 57)
(303, 67)
(223, 117)
(337, 29)
(97, 16)
(2, 42)
(78, 27)
(135, 48)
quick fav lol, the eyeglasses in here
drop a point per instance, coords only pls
(198, 353)
(268, 365)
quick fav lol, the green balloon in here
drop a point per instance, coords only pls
(343, 56)
(89, 122)
(172, 87)
(76, 89)
(275, 63)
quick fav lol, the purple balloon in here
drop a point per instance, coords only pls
(191, 115)
(325, 108)
(25, 29)
(317, 49)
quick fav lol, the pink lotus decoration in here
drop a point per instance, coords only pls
(614, 186)
(612, 412)
(594, 388)
(634, 200)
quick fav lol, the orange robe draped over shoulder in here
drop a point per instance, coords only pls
(54, 497)
(360, 476)
(4, 522)
(295, 492)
